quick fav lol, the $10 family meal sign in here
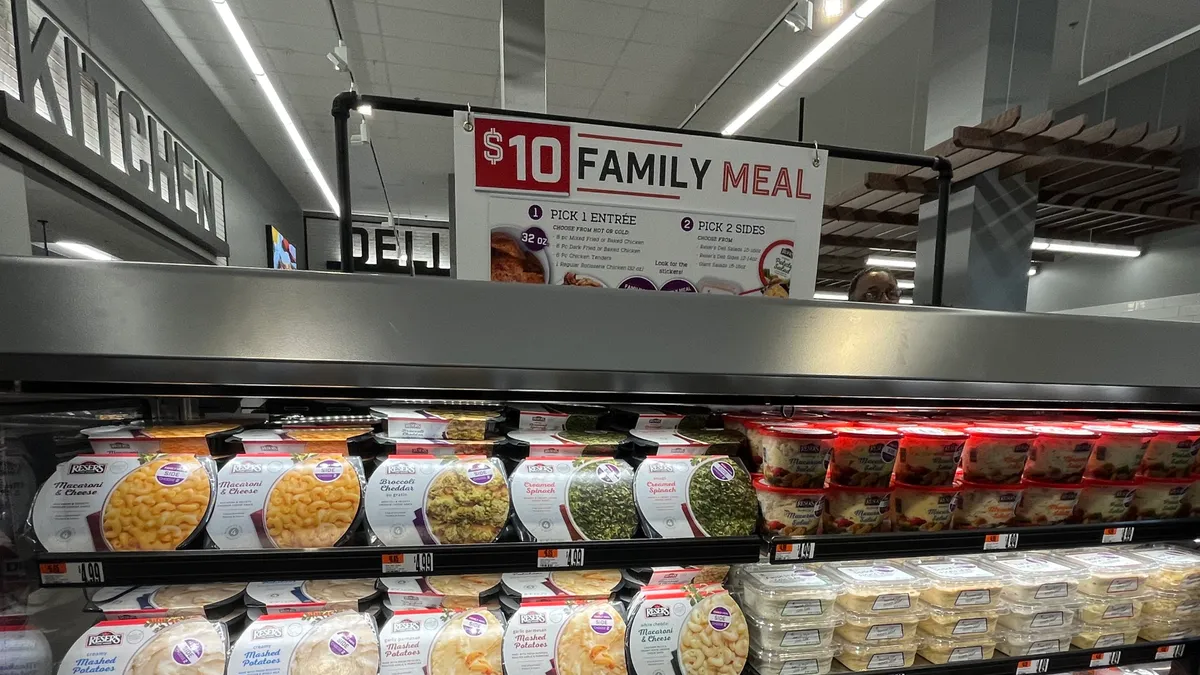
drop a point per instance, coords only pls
(590, 205)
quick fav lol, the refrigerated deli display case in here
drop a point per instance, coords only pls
(203, 476)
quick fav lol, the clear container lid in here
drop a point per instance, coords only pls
(1171, 428)
(1035, 568)
(1038, 635)
(796, 432)
(1063, 432)
(1119, 430)
(788, 581)
(1166, 556)
(867, 432)
(875, 576)
(869, 649)
(831, 620)
(956, 642)
(775, 659)
(958, 571)
(1106, 561)
(1011, 607)
(947, 614)
(918, 612)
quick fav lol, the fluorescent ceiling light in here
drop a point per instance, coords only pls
(1032, 270)
(906, 301)
(805, 63)
(365, 110)
(892, 263)
(906, 284)
(74, 249)
(829, 295)
(256, 68)
(1061, 246)
(1140, 55)
(833, 8)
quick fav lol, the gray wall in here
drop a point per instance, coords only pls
(127, 38)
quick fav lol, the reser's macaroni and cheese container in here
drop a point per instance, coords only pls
(874, 627)
(690, 630)
(795, 456)
(788, 592)
(1157, 498)
(1104, 501)
(1175, 568)
(183, 439)
(1015, 643)
(929, 455)
(429, 640)
(877, 586)
(984, 505)
(279, 500)
(1089, 636)
(1038, 577)
(124, 502)
(202, 600)
(863, 456)
(790, 634)
(454, 591)
(923, 508)
(1059, 454)
(959, 582)
(996, 454)
(298, 440)
(1110, 573)
(423, 499)
(1119, 451)
(961, 622)
(789, 512)
(159, 645)
(801, 662)
(1171, 451)
(339, 641)
(682, 497)
(878, 656)
(573, 498)
(855, 510)
(957, 649)
(283, 597)
(1047, 503)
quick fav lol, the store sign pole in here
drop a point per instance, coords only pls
(592, 205)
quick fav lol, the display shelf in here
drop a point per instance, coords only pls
(212, 565)
(906, 544)
(1078, 659)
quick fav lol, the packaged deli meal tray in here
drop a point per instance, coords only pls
(424, 499)
(589, 584)
(790, 634)
(876, 628)
(1093, 636)
(688, 630)
(863, 456)
(986, 505)
(788, 591)
(640, 417)
(1110, 573)
(856, 510)
(1055, 615)
(996, 454)
(1038, 576)
(1107, 609)
(1162, 630)
(338, 641)
(564, 498)
(644, 442)
(203, 600)
(434, 641)
(1059, 454)
(156, 645)
(463, 424)
(959, 582)
(1158, 498)
(1175, 568)
(565, 635)
(961, 623)
(564, 443)
(124, 502)
(1016, 643)
(193, 439)
(1104, 501)
(928, 455)
(680, 497)
(1161, 604)
(957, 649)
(26, 649)
(299, 440)
(437, 446)
(280, 500)
(282, 597)
(1171, 452)
(877, 656)
(789, 512)
(554, 417)
(456, 591)
(795, 456)
(672, 575)
(877, 586)
(818, 661)
(923, 508)
(1119, 451)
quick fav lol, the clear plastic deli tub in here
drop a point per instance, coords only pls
(1111, 573)
(1053, 615)
(1161, 630)
(1157, 498)
(789, 512)
(1059, 454)
(960, 582)
(875, 627)
(863, 456)
(1016, 643)
(1175, 568)
(961, 623)
(1105, 501)
(956, 650)
(923, 508)
(929, 455)
(1172, 450)
(1047, 503)
(877, 586)
(1038, 577)
(855, 510)
(892, 656)
(807, 662)
(787, 591)
(790, 633)
(996, 454)
(1092, 636)
(795, 456)
(1119, 451)
(1107, 609)
(1158, 604)
(986, 506)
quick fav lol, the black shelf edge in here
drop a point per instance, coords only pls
(828, 547)
(81, 570)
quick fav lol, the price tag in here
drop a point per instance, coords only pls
(1000, 542)
(1168, 652)
(1116, 535)
(802, 551)
(1102, 659)
(522, 156)
(400, 563)
(58, 573)
(559, 557)
(1032, 666)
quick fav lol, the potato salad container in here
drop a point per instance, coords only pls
(1037, 577)
(1016, 643)
(782, 662)
(1176, 568)
(960, 623)
(956, 650)
(1110, 573)
(878, 656)
(885, 627)
(790, 634)
(787, 592)
(960, 583)
(877, 586)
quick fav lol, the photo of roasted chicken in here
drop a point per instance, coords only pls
(572, 279)
(511, 263)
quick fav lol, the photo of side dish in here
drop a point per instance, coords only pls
(468, 644)
(576, 279)
(467, 503)
(511, 262)
(721, 498)
(592, 642)
(715, 639)
(195, 642)
(157, 506)
(314, 504)
(344, 643)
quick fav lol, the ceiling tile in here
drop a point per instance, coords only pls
(433, 55)
(583, 48)
(313, 85)
(577, 74)
(200, 24)
(677, 61)
(468, 8)
(430, 27)
(566, 95)
(297, 38)
(414, 77)
(313, 13)
(592, 18)
(364, 18)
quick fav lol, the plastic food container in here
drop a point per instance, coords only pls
(1015, 643)
(298, 440)
(874, 627)
(739, 421)
(752, 428)
(1059, 454)
(571, 499)
(891, 656)
(787, 591)
(464, 424)
(1161, 498)
(1110, 573)
(791, 633)
(423, 499)
(863, 456)
(1037, 577)
(685, 442)
(855, 510)
(929, 455)
(946, 623)
(1176, 568)
(1119, 451)
(1089, 636)
(960, 582)
(1170, 629)
(681, 497)
(1160, 604)
(184, 439)
(536, 417)
(1050, 615)
(996, 454)
(564, 443)
(955, 650)
(1047, 503)
(877, 586)
(923, 508)
(789, 512)
(987, 506)
(1100, 610)
(795, 456)
(1171, 451)
(806, 662)
(1104, 501)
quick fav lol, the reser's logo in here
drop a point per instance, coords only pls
(402, 469)
(406, 626)
(105, 639)
(657, 611)
(267, 633)
(245, 468)
(539, 468)
(533, 618)
(86, 468)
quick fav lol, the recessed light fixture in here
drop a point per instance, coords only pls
(1063, 246)
(906, 301)
(74, 249)
(829, 295)
(293, 132)
(800, 17)
(1032, 270)
(833, 8)
(892, 263)
(365, 110)
(906, 284)
(805, 63)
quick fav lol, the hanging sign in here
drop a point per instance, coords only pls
(590, 205)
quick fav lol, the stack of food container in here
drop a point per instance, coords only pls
(1171, 606)
(1111, 596)
(1041, 602)
(961, 606)
(924, 490)
(792, 616)
(880, 613)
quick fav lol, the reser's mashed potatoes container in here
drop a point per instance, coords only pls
(1176, 568)
(1059, 454)
(1089, 636)
(996, 454)
(873, 627)
(1110, 573)
(956, 650)
(929, 455)
(957, 623)
(1015, 643)
(1157, 498)
(795, 456)
(789, 512)
(1119, 451)
(1104, 501)
(788, 592)
(877, 586)
(1171, 451)
(987, 506)
(923, 508)
(1037, 577)
(343, 642)
(960, 582)
(1047, 503)
(162, 645)
(863, 456)
(790, 634)
(855, 510)
(878, 656)
(783, 662)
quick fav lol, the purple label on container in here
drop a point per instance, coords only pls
(534, 238)
(601, 622)
(679, 286)
(718, 618)
(474, 625)
(722, 470)
(328, 470)
(187, 652)
(608, 473)
(638, 283)
(343, 643)
(480, 473)
(171, 474)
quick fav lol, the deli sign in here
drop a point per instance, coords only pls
(70, 106)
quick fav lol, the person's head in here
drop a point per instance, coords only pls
(875, 284)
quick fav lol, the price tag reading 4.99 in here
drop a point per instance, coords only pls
(523, 156)
(560, 557)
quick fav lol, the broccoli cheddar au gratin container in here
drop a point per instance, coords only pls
(423, 499)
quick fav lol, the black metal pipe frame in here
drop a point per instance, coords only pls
(349, 100)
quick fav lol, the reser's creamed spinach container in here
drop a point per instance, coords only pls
(685, 496)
